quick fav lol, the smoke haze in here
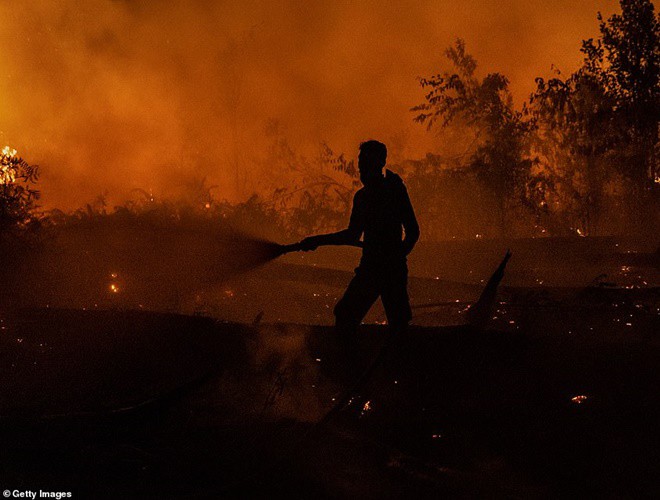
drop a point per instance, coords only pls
(110, 96)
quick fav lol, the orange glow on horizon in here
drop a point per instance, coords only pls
(107, 97)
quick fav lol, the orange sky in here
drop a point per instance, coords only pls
(117, 95)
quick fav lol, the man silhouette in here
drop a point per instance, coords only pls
(382, 212)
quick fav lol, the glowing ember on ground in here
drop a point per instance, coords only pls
(114, 288)
(365, 408)
(579, 399)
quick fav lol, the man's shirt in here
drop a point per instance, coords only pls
(382, 213)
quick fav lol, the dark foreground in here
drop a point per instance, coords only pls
(134, 404)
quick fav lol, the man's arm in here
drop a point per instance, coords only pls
(343, 237)
(349, 236)
(410, 225)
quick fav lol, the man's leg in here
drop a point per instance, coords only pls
(400, 355)
(362, 292)
(351, 309)
(395, 299)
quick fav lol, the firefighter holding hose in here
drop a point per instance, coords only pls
(384, 218)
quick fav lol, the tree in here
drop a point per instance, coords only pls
(625, 61)
(575, 131)
(18, 195)
(485, 107)
(602, 121)
(311, 195)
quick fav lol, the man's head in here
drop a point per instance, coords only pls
(371, 161)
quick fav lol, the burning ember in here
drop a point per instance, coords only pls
(365, 408)
(579, 399)
(114, 286)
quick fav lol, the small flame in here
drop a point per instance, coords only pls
(7, 173)
(114, 288)
(365, 408)
(579, 399)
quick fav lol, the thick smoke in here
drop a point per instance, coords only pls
(110, 96)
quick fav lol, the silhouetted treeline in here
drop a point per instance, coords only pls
(597, 129)
(583, 150)
(579, 157)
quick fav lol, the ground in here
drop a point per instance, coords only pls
(228, 393)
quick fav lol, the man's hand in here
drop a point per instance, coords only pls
(344, 237)
(309, 243)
